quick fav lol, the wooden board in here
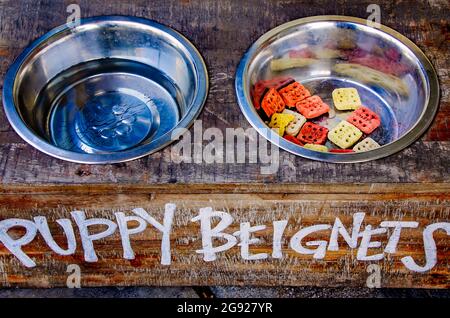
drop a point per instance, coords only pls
(412, 185)
(301, 206)
(222, 31)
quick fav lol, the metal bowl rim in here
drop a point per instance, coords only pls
(407, 139)
(39, 143)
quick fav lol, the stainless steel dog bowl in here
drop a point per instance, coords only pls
(111, 89)
(325, 50)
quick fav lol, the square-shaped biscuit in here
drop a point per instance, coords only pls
(280, 121)
(344, 135)
(272, 103)
(312, 107)
(294, 126)
(293, 93)
(261, 87)
(313, 134)
(364, 119)
(346, 98)
(366, 145)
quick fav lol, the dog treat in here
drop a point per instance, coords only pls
(371, 76)
(364, 119)
(293, 93)
(272, 103)
(280, 121)
(312, 107)
(294, 126)
(313, 134)
(320, 148)
(366, 145)
(261, 87)
(346, 98)
(293, 139)
(287, 63)
(344, 135)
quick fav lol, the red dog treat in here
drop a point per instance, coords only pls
(261, 87)
(272, 102)
(364, 119)
(341, 150)
(293, 93)
(312, 107)
(293, 139)
(313, 134)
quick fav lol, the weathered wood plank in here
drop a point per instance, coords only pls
(22, 164)
(213, 26)
(300, 206)
(394, 189)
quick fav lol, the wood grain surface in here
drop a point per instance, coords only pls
(410, 185)
(222, 31)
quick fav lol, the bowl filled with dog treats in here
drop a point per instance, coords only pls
(335, 89)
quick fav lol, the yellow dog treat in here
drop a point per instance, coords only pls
(344, 135)
(320, 148)
(294, 126)
(280, 121)
(346, 98)
(366, 145)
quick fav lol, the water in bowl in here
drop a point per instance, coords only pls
(108, 105)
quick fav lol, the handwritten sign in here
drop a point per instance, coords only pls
(242, 238)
